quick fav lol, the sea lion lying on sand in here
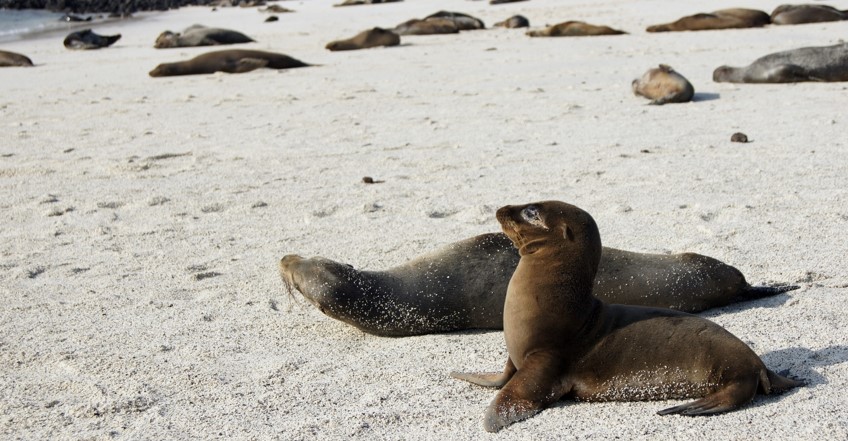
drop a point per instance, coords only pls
(574, 29)
(733, 18)
(366, 39)
(364, 2)
(516, 21)
(819, 63)
(565, 342)
(230, 61)
(431, 26)
(663, 85)
(12, 59)
(464, 22)
(199, 35)
(86, 39)
(800, 14)
(463, 286)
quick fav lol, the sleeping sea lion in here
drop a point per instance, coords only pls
(564, 342)
(431, 26)
(663, 85)
(86, 39)
(199, 35)
(516, 21)
(230, 61)
(463, 286)
(574, 29)
(366, 39)
(733, 18)
(800, 14)
(819, 63)
(464, 22)
(364, 2)
(12, 59)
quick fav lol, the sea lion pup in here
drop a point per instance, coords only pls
(733, 18)
(464, 22)
(819, 63)
(574, 29)
(463, 286)
(516, 21)
(366, 39)
(663, 85)
(230, 61)
(12, 59)
(800, 14)
(431, 26)
(86, 39)
(364, 2)
(199, 35)
(564, 342)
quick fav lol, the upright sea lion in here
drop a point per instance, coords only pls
(516, 21)
(86, 39)
(366, 39)
(574, 29)
(800, 14)
(230, 61)
(431, 26)
(564, 342)
(12, 59)
(199, 35)
(663, 85)
(464, 22)
(819, 63)
(463, 286)
(733, 18)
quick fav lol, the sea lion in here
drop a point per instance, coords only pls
(574, 29)
(366, 39)
(69, 18)
(564, 342)
(199, 35)
(431, 26)
(463, 286)
(516, 21)
(276, 9)
(230, 61)
(500, 2)
(86, 39)
(12, 59)
(818, 63)
(364, 2)
(464, 22)
(800, 14)
(733, 18)
(663, 85)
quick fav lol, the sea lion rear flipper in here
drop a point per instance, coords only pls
(246, 65)
(494, 379)
(756, 292)
(728, 398)
(779, 383)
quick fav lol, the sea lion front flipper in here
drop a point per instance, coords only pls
(533, 387)
(246, 65)
(727, 398)
(495, 379)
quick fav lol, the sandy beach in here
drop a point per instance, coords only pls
(143, 218)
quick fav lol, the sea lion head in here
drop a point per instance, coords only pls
(723, 74)
(551, 227)
(165, 40)
(164, 70)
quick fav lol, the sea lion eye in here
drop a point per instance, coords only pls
(531, 216)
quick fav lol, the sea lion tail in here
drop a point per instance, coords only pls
(779, 384)
(757, 292)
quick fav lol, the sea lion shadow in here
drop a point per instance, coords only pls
(705, 96)
(803, 361)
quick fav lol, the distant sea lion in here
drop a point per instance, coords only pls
(464, 22)
(819, 63)
(564, 342)
(276, 9)
(230, 61)
(500, 2)
(86, 39)
(516, 21)
(574, 29)
(272, 18)
(800, 14)
(664, 85)
(12, 59)
(199, 35)
(431, 26)
(364, 2)
(73, 18)
(366, 39)
(463, 286)
(733, 18)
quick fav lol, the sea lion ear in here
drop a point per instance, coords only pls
(567, 232)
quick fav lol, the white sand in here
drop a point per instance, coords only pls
(118, 190)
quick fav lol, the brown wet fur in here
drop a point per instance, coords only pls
(13, 59)
(733, 18)
(230, 61)
(375, 37)
(574, 29)
(664, 85)
(564, 342)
